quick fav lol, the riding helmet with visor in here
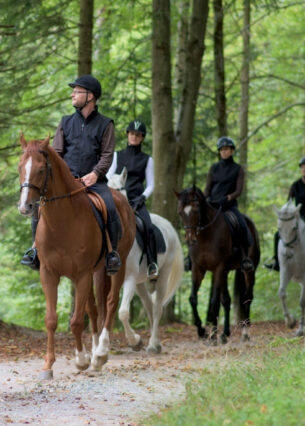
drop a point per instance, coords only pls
(89, 83)
(137, 126)
(225, 141)
(302, 161)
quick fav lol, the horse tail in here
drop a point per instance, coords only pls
(176, 272)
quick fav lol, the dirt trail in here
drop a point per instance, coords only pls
(131, 386)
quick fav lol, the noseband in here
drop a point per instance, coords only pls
(294, 239)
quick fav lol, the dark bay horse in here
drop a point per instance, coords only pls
(70, 243)
(211, 248)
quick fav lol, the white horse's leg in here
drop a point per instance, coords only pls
(300, 330)
(146, 299)
(154, 345)
(100, 355)
(284, 279)
(133, 339)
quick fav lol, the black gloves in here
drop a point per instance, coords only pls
(137, 202)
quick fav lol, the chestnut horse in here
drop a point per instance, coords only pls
(211, 248)
(70, 243)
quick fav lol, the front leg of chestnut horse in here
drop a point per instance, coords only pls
(83, 288)
(49, 283)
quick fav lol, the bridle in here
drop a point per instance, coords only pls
(42, 191)
(199, 227)
(295, 238)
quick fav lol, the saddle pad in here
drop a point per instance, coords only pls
(140, 230)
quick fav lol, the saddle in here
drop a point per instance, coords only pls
(234, 226)
(99, 209)
(141, 236)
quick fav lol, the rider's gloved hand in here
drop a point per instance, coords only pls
(138, 202)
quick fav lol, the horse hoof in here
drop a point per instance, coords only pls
(82, 367)
(98, 361)
(291, 323)
(138, 346)
(223, 339)
(299, 333)
(245, 338)
(46, 375)
(154, 349)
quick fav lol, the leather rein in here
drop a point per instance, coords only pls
(42, 191)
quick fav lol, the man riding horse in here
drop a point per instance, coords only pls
(85, 140)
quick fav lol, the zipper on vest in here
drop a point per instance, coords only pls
(83, 127)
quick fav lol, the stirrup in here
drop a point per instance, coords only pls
(152, 272)
(30, 258)
(113, 262)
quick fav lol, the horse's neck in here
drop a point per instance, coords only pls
(61, 180)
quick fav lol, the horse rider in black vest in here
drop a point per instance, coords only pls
(224, 185)
(140, 168)
(296, 193)
(85, 140)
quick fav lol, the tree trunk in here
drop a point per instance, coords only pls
(171, 148)
(219, 70)
(85, 37)
(173, 142)
(244, 105)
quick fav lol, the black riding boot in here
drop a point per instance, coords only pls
(274, 265)
(152, 269)
(113, 260)
(30, 257)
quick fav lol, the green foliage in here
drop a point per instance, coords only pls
(253, 390)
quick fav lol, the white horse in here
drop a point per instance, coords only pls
(170, 264)
(291, 253)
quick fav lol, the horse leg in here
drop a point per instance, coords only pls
(91, 310)
(243, 296)
(50, 288)
(133, 339)
(83, 287)
(220, 286)
(111, 297)
(300, 330)
(226, 303)
(284, 279)
(154, 345)
(197, 277)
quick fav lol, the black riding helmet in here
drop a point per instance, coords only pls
(302, 161)
(225, 141)
(89, 83)
(137, 126)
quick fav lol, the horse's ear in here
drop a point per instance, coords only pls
(22, 141)
(124, 175)
(299, 206)
(45, 142)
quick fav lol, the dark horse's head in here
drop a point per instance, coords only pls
(192, 208)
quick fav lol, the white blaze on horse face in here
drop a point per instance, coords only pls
(187, 210)
(25, 190)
